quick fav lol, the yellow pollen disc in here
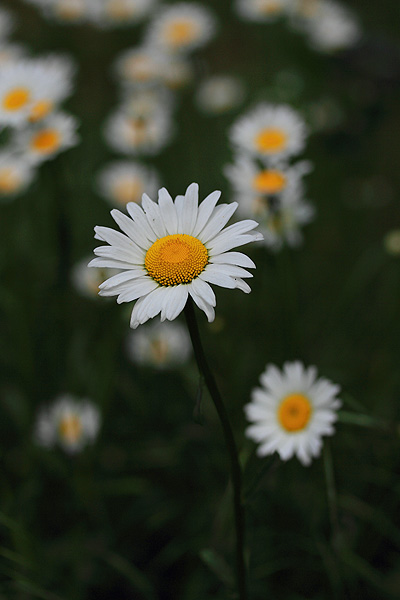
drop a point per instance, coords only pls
(46, 141)
(180, 33)
(271, 140)
(294, 412)
(127, 190)
(9, 181)
(16, 98)
(70, 428)
(40, 110)
(269, 182)
(176, 259)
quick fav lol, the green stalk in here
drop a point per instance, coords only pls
(236, 473)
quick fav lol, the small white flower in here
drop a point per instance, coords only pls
(69, 422)
(110, 13)
(262, 10)
(160, 345)
(86, 281)
(181, 27)
(16, 173)
(219, 94)
(172, 249)
(18, 91)
(283, 221)
(125, 181)
(139, 66)
(67, 11)
(270, 132)
(48, 137)
(292, 411)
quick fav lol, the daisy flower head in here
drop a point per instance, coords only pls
(172, 249)
(69, 423)
(181, 27)
(219, 94)
(16, 174)
(121, 182)
(67, 11)
(18, 90)
(270, 132)
(262, 10)
(159, 345)
(110, 13)
(47, 138)
(332, 27)
(139, 66)
(291, 411)
(87, 281)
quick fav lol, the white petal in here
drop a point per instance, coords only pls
(141, 221)
(122, 278)
(136, 289)
(133, 230)
(232, 241)
(231, 270)
(130, 256)
(205, 210)
(203, 289)
(202, 304)
(174, 302)
(217, 221)
(233, 258)
(152, 212)
(110, 263)
(217, 278)
(189, 209)
(167, 211)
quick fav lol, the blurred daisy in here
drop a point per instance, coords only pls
(15, 173)
(67, 11)
(120, 12)
(143, 103)
(281, 219)
(138, 135)
(292, 411)
(391, 242)
(139, 66)
(70, 423)
(160, 345)
(173, 249)
(270, 132)
(332, 27)
(18, 89)
(47, 138)
(219, 94)
(181, 27)
(87, 281)
(54, 74)
(125, 181)
(262, 10)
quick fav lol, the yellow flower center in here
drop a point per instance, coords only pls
(16, 98)
(118, 9)
(70, 428)
(176, 259)
(127, 190)
(40, 110)
(46, 141)
(9, 181)
(271, 140)
(269, 7)
(269, 182)
(294, 412)
(180, 33)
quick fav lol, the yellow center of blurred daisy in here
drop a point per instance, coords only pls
(46, 141)
(294, 412)
(118, 9)
(16, 98)
(9, 181)
(180, 33)
(127, 190)
(270, 7)
(176, 259)
(40, 110)
(271, 140)
(269, 182)
(70, 428)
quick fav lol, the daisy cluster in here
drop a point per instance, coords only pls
(34, 128)
(149, 76)
(328, 25)
(100, 13)
(266, 185)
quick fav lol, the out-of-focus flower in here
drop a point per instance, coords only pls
(181, 27)
(262, 10)
(140, 66)
(172, 249)
(391, 242)
(15, 173)
(54, 76)
(138, 135)
(69, 422)
(18, 90)
(219, 94)
(125, 181)
(270, 132)
(110, 13)
(292, 411)
(160, 345)
(48, 137)
(87, 281)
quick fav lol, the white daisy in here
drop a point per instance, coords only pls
(181, 27)
(67, 11)
(173, 249)
(219, 94)
(125, 181)
(138, 135)
(262, 10)
(47, 138)
(18, 89)
(69, 422)
(109, 13)
(333, 27)
(160, 345)
(145, 102)
(87, 281)
(292, 411)
(270, 132)
(139, 66)
(16, 173)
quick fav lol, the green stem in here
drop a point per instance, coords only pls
(236, 473)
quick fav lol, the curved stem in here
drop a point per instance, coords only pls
(236, 473)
